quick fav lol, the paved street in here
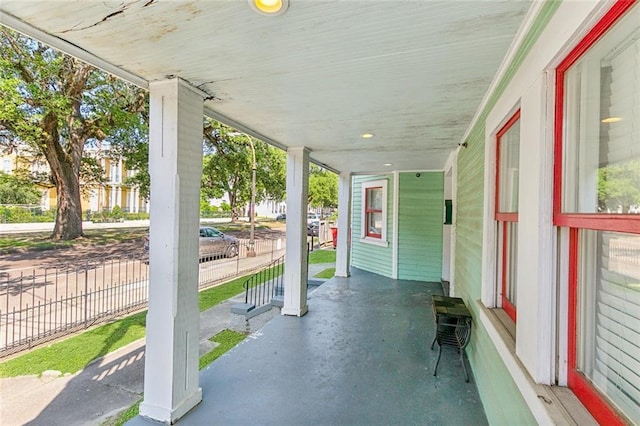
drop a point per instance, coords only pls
(19, 228)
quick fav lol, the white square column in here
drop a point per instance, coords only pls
(296, 273)
(343, 249)
(171, 385)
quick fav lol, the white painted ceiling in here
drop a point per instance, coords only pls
(413, 72)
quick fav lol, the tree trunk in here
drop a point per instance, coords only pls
(65, 171)
(69, 211)
(234, 209)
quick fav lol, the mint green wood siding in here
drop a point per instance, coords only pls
(369, 257)
(420, 217)
(503, 402)
(500, 396)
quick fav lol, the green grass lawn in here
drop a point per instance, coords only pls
(73, 354)
(322, 256)
(227, 339)
(327, 273)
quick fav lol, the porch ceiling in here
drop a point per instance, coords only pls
(411, 72)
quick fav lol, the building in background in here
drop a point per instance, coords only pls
(96, 197)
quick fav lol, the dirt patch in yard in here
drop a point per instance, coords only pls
(131, 245)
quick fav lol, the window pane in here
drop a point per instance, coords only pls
(508, 169)
(511, 265)
(601, 161)
(374, 222)
(374, 199)
(608, 335)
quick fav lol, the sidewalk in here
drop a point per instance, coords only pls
(105, 387)
(16, 228)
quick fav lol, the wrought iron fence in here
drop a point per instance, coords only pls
(38, 305)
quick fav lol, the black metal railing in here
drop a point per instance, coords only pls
(263, 286)
(51, 302)
(40, 304)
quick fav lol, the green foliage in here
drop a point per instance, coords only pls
(323, 187)
(136, 155)
(108, 216)
(136, 216)
(18, 189)
(116, 212)
(59, 105)
(228, 163)
(227, 339)
(619, 186)
(322, 256)
(17, 214)
(91, 172)
(209, 211)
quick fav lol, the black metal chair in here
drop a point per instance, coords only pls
(453, 328)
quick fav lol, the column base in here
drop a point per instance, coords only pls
(295, 312)
(170, 416)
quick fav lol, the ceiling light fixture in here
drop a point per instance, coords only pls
(611, 119)
(388, 164)
(269, 7)
(366, 135)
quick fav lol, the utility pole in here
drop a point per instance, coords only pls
(251, 252)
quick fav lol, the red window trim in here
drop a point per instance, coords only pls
(607, 21)
(578, 383)
(499, 135)
(502, 218)
(507, 305)
(507, 217)
(593, 400)
(600, 222)
(367, 211)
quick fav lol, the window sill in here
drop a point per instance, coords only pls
(508, 324)
(548, 404)
(374, 242)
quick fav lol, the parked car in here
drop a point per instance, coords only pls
(313, 224)
(281, 216)
(313, 218)
(213, 243)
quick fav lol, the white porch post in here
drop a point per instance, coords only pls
(118, 196)
(130, 206)
(343, 251)
(295, 275)
(175, 164)
(136, 200)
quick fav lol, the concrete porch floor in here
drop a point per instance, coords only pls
(360, 356)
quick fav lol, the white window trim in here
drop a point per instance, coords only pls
(382, 242)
